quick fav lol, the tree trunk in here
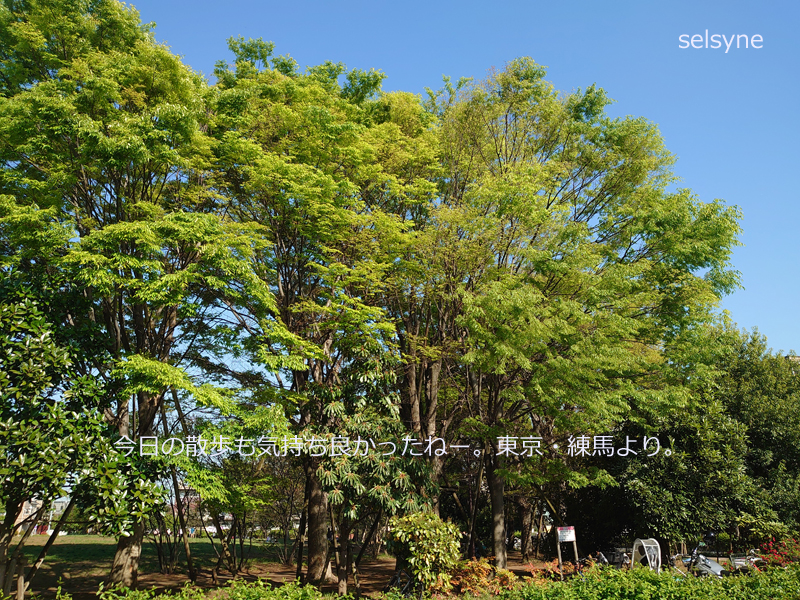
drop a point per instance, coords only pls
(226, 554)
(368, 537)
(476, 499)
(125, 568)
(21, 578)
(539, 534)
(179, 502)
(343, 565)
(46, 548)
(301, 532)
(496, 490)
(527, 521)
(317, 530)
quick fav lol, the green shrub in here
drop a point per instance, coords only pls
(237, 589)
(643, 584)
(261, 590)
(187, 592)
(781, 553)
(430, 546)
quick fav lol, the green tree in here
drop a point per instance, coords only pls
(760, 389)
(316, 162)
(52, 436)
(731, 468)
(102, 132)
(576, 261)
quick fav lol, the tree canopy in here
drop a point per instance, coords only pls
(284, 257)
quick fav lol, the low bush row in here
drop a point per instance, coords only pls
(593, 584)
(643, 584)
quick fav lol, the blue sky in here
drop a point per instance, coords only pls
(731, 119)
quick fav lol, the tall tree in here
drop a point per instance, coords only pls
(577, 259)
(103, 128)
(311, 159)
(760, 389)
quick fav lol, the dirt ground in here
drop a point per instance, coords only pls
(80, 566)
(375, 574)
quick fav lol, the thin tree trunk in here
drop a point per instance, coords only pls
(539, 535)
(9, 559)
(525, 532)
(301, 533)
(225, 551)
(178, 502)
(343, 564)
(21, 578)
(496, 492)
(479, 485)
(184, 530)
(336, 545)
(369, 537)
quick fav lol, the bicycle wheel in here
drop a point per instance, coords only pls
(392, 583)
(399, 581)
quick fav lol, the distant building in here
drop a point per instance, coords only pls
(31, 507)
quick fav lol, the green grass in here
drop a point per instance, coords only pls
(91, 555)
(83, 554)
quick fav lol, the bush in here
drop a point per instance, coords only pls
(781, 553)
(595, 584)
(430, 546)
(477, 577)
(238, 589)
(259, 590)
(117, 592)
(643, 584)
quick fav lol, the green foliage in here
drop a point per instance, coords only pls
(297, 253)
(53, 434)
(187, 592)
(51, 431)
(257, 590)
(761, 390)
(733, 465)
(643, 584)
(558, 265)
(430, 545)
(702, 486)
(762, 527)
(596, 584)
(237, 589)
(781, 553)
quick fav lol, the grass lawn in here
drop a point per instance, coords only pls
(80, 562)
(96, 549)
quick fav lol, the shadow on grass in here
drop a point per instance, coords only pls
(80, 562)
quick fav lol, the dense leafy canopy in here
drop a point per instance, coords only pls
(295, 254)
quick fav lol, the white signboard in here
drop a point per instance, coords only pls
(566, 534)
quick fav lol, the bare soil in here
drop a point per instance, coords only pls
(80, 563)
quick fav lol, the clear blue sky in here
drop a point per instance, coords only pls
(732, 119)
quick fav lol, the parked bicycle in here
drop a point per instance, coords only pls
(405, 584)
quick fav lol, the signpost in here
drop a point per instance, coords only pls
(566, 534)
